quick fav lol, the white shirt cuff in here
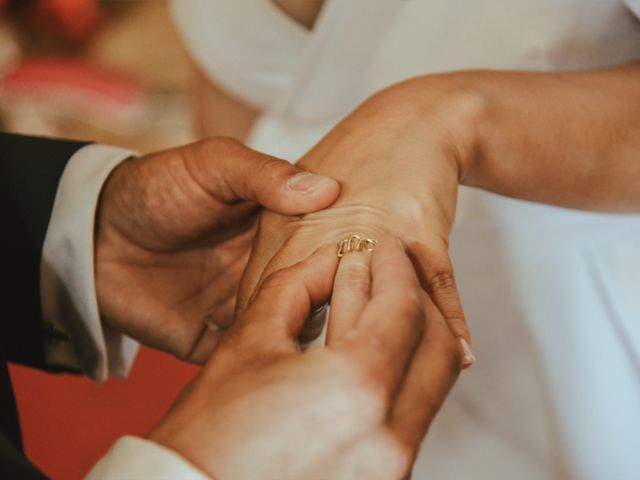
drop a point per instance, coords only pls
(136, 458)
(74, 335)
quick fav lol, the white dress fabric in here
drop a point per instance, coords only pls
(552, 295)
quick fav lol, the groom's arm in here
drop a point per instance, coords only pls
(48, 194)
(30, 170)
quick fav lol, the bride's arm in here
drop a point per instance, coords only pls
(569, 139)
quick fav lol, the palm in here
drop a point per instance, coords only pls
(170, 297)
(162, 279)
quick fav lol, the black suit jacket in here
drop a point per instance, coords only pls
(30, 170)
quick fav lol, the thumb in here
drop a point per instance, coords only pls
(240, 173)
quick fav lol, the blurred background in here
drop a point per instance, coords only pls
(115, 72)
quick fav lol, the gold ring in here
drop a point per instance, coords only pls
(355, 243)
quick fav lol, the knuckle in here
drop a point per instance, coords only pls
(269, 168)
(225, 144)
(414, 300)
(413, 210)
(442, 282)
(412, 307)
(214, 146)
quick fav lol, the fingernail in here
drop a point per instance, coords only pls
(306, 182)
(468, 357)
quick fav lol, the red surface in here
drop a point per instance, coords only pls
(50, 75)
(69, 422)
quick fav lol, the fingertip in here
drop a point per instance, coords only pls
(306, 192)
(467, 355)
(277, 185)
(307, 183)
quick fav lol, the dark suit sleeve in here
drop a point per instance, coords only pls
(14, 465)
(30, 170)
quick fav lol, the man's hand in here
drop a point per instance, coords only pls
(356, 409)
(173, 234)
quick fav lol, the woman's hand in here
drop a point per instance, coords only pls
(356, 409)
(398, 159)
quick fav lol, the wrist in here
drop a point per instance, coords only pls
(107, 201)
(454, 110)
(108, 244)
